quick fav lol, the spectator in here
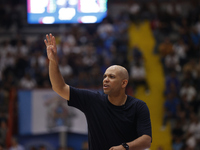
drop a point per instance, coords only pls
(137, 55)
(44, 79)
(177, 136)
(27, 82)
(104, 29)
(177, 143)
(38, 57)
(134, 12)
(65, 68)
(184, 108)
(83, 81)
(185, 122)
(190, 142)
(89, 58)
(194, 127)
(172, 63)
(21, 64)
(177, 131)
(96, 77)
(138, 77)
(189, 91)
(191, 67)
(180, 49)
(187, 77)
(37, 73)
(9, 61)
(172, 83)
(195, 36)
(165, 48)
(22, 48)
(170, 108)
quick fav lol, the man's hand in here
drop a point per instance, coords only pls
(50, 43)
(120, 147)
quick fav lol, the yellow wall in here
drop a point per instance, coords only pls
(142, 36)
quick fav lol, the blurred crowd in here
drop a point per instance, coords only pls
(177, 34)
(86, 50)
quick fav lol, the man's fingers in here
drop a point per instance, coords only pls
(50, 38)
(47, 36)
(54, 41)
(45, 41)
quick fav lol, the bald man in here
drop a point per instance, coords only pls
(116, 121)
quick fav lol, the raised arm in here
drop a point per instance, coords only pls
(57, 81)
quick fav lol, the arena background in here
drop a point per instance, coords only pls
(162, 36)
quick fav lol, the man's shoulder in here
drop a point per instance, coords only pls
(86, 93)
(135, 100)
(90, 91)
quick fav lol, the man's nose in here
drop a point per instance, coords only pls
(106, 79)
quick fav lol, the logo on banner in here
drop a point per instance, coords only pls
(59, 117)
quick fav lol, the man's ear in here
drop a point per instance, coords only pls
(124, 83)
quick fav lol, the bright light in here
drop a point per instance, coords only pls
(89, 6)
(73, 2)
(66, 13)
(61, 2)
(88, 19)
(38, 9)
(48, 20)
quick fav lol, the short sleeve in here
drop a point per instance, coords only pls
(81, 99)
(143, 120)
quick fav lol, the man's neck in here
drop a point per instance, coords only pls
(118, 100)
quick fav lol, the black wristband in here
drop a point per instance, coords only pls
(125, 146)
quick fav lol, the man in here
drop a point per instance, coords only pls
(115, 120)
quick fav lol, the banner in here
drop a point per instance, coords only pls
(44, 111)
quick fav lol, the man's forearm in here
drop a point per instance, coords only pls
(57, 81)
(140, 143)
(56, 78)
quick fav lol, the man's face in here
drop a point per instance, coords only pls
(112, 82)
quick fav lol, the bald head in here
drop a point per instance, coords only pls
(123, 73)
(115, 80)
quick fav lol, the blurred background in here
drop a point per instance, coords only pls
(158, 41)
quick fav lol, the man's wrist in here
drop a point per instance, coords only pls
(125, 146)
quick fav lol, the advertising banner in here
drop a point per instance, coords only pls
(44, 111)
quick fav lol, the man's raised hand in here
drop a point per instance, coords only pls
(50, 43)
